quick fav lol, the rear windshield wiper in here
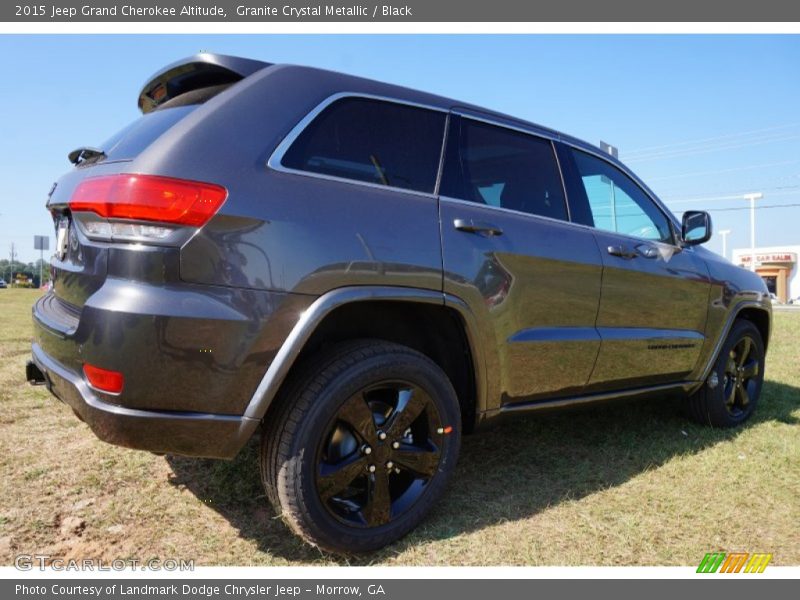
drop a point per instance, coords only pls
(85, 153)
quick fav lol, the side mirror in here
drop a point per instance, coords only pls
(696, 227)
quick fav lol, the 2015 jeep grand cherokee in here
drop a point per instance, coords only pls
(365, 272)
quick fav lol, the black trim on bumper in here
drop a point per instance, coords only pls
(189, 434)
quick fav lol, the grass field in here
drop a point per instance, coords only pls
(631, 484)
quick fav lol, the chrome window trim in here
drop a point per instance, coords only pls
(442, 155)
(556, 138)
(532, 130)
(511, 211)
(588, 149)
(275, 160)
(563, 181)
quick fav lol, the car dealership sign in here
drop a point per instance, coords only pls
(774, 257)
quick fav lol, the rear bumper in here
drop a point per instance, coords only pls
(191, 356)
(169, 432)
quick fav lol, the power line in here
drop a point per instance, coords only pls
(693, 152)
(622, 215)
(720, 171)
(761, 207)
(758, 207)
(649, 149)
(719, 145)
(738, 195)
(761, 186)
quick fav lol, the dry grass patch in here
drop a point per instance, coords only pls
(631, 484)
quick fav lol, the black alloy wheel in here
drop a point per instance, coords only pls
(361, 446)
(730, 393)
(379, 453)
(741, 381)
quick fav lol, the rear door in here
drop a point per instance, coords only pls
(529, 276)
(654, 298)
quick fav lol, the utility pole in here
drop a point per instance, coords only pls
(41, 243)
(11, 266)
(752, 198)
(724, 233)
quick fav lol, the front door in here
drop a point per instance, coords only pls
(655, 294)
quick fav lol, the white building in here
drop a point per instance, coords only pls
(777, 265)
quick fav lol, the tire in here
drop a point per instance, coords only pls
(361, 445)
(739, 375)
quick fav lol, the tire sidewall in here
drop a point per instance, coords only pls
(302, 463)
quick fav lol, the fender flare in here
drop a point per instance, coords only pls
(314, 315)
(732, 316)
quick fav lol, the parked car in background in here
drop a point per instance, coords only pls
(3, 284)
(363, 273)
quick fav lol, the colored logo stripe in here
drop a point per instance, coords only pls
(711, 562)
(757, 563)
(734, 562)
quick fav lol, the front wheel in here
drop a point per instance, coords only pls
(730, 394)
(362, 446)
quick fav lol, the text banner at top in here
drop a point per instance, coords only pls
(257, 11)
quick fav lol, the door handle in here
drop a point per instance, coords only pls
(470, 226)
(622, 252)
(648, 251)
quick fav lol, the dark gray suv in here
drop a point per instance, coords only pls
(364, 273)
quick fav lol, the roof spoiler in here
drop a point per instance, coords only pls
(192, 73)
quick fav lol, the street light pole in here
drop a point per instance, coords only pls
(11, 266)
(724, 233)
(753, 197)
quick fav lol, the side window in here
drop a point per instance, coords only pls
(375, 141)
(617, 204)
(501, 167)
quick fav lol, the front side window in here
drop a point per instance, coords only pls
(374, 141)
(504, 168)
(617, 204)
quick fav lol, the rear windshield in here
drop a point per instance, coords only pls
(134, 138)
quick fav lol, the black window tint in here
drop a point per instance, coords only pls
(617, 204)
(374, 141)
(579, 209)
(502, 167)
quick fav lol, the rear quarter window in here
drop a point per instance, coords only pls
(373, 141)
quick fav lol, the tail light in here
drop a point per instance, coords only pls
(132, 206)
(103, 379)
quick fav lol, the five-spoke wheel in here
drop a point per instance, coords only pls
(729, 395)
(379, 453)
(362, 445)
(741, 375)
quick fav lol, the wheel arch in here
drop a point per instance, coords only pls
(760, 318)
(433, 323)
(752, 311)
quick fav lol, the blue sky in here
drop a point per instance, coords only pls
(700, 118)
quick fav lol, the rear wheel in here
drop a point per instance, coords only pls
(730, 394)
(362, 446)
